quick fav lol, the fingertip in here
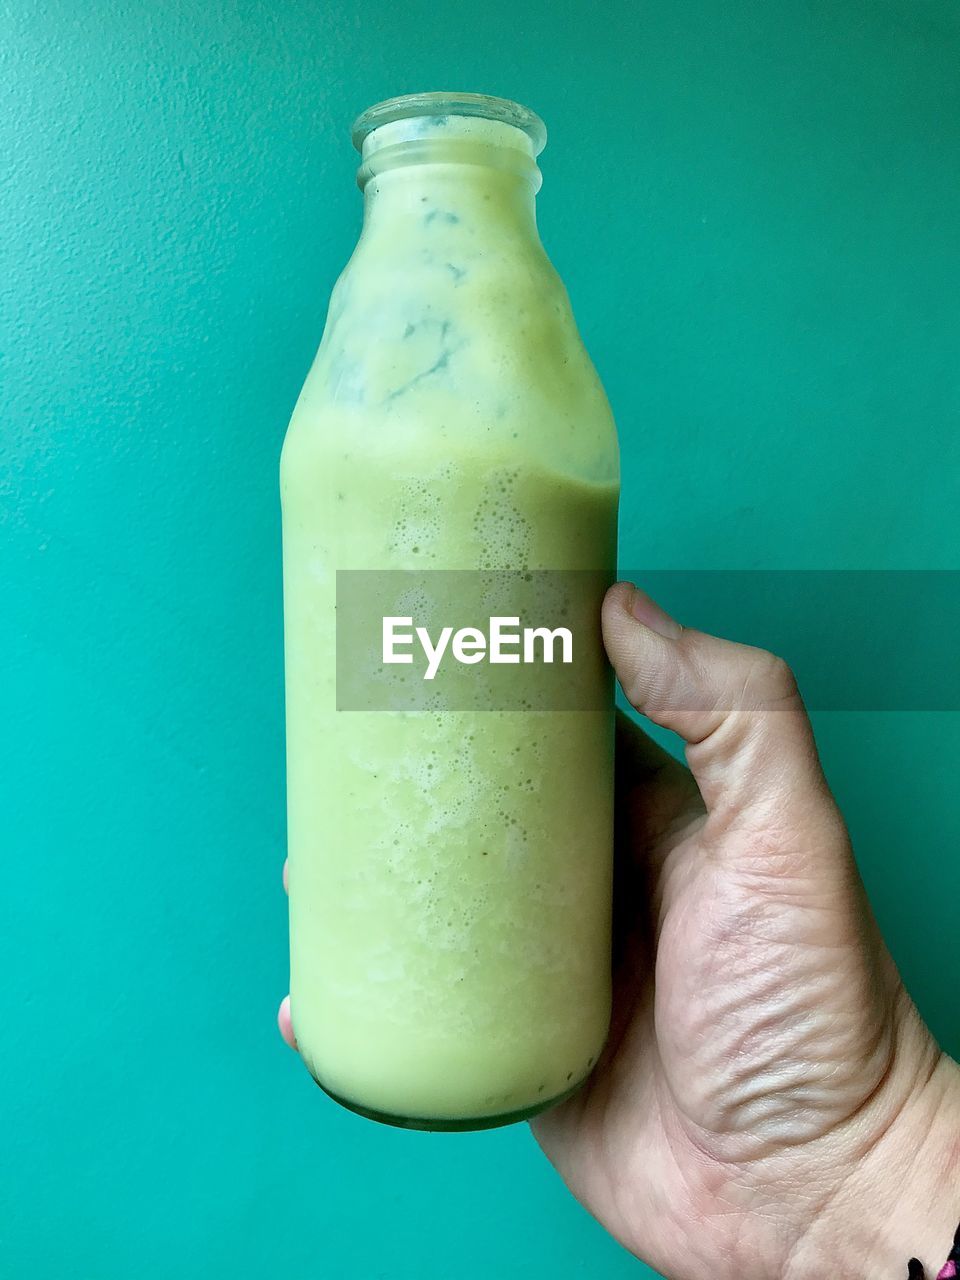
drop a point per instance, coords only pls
(616, 617)
(285, 1023)
(619, 597)
(286, 875)
(633, 601)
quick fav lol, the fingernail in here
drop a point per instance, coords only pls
(651, 615)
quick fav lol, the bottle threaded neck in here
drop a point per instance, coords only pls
(458, 128)
(479, 106)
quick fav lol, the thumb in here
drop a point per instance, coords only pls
(748, 739)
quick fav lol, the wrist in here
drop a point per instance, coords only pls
(902, 1197)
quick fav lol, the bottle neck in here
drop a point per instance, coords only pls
(443, 200)
(441, 174)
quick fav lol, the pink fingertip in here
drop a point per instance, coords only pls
(285, 1024)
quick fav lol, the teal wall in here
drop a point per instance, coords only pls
(754, 205)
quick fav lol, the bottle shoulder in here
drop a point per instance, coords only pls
(487, 354)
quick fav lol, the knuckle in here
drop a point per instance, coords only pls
(770, 678)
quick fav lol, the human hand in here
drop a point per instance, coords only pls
(770, 1105)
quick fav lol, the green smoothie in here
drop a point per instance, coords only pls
(450, 872)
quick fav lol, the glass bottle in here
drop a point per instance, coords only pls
(450, 873)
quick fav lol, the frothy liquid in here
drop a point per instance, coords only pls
(449, 871)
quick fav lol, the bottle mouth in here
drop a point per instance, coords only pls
(439, 105)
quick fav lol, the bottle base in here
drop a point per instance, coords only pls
(467, 1124)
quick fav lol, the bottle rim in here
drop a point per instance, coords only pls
(440, 103)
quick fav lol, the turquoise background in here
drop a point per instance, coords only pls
(754, 206)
